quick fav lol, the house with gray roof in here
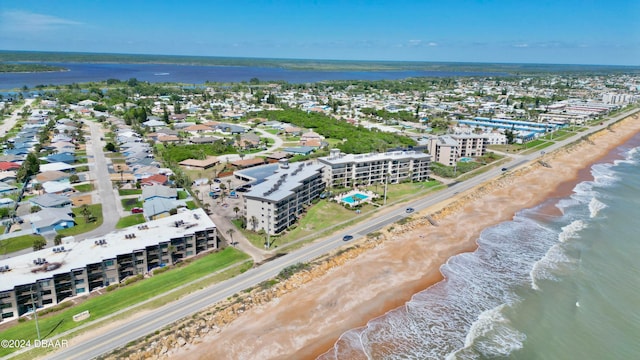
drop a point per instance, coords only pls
(50, 201)
(157, 208)
(6, 188)
(51, 219)
(158, 191)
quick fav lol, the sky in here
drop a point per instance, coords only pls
(501, 31)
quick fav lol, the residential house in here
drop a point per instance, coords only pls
(52, 219)
(6, 188)
(210, 161)
(50, 201)
(159, 191)
(8, 166)
(52, 175)
(156, 179)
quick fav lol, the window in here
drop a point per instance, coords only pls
(7, 315)
(79, 290)
(108, 262)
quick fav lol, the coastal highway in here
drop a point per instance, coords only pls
(200, 300)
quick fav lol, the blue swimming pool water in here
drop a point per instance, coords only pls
(355, 197)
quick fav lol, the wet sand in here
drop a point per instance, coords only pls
(305, 323)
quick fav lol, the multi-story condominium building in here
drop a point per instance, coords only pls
(448, 149)
(48, 276)
(277, 202)
(345, 170)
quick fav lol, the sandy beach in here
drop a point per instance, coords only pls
(306, 322)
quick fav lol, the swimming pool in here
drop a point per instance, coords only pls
(355, 197)
(466, 159)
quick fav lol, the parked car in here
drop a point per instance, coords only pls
(410, 210)
(347, 237)
(504, 169)
(217, 180)
(137, 211)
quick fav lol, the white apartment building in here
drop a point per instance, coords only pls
(346, 170)
(48, 276)
(278, 202)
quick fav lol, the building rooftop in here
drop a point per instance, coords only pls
(341, 158)
(78, 254)
(282, 183)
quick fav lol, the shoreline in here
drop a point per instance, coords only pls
(303, 317)
(265, 331)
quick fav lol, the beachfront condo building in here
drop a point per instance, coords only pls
(46, 277)
(449, 149)
(347, 170)
(278, 202)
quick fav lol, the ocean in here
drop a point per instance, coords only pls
(559, 281)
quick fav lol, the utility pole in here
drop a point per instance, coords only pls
(35, 312)
(268, 230)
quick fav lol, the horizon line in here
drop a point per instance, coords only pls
(310, 59)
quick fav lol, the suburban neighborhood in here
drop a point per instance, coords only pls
(107, 188)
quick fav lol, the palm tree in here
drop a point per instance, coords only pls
(85, 212)
(236, 209)
(254, 222)
(171, 250)
(230, 232)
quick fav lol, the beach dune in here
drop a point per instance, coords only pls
(306, 322)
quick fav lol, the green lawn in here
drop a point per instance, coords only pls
(81, 225)
(121, 298)
(191, 205)
(130, 220)
(182, 195)
(326, 215)
(17, 243)
(404, 191)
(84, 187)
(125, 192)
(82, 168)
(128, 204)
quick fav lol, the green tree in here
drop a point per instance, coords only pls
(39, 243)
(58, 239)
(110, 147)
(230, 232)
(29, 167)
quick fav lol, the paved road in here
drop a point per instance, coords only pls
(202, 299)
(105, 192)
(11, 121)
(276, 145)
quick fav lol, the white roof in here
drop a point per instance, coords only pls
(60, 166)
(78, 254)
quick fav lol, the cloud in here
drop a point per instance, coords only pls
(24, 21)
(433, 44)
(521, 45)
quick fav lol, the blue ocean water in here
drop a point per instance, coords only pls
(542, 286)
(196, 74)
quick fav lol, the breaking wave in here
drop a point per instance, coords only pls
(466, 316)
